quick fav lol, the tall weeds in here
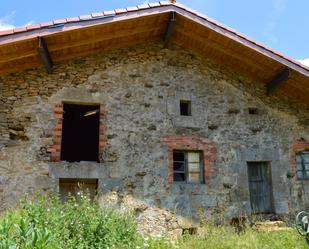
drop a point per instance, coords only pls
(47, 223)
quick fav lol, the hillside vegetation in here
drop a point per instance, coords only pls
(46, 223)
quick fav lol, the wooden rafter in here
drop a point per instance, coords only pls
(278, 80)
(45, 55)
(170, 27)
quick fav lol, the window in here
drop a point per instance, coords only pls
(74, 187)
(253, 111)
(184, 144)
(185, 108)
(188, 166)
(80, 133)
(302, 163)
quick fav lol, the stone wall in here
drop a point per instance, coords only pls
(140, 88)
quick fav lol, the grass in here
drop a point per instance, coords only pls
(46, 223)
(225, 238)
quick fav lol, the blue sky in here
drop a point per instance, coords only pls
(280, 24)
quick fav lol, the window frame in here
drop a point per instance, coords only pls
(301, 166)
(186, 167)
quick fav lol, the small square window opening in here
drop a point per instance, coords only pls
(188, 166)
(185, 108)
(253, 111)
(302, 163)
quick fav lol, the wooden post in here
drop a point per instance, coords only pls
(45, 55)
(278, 80)
(170, 27)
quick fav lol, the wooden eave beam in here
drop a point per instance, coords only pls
(85, 40)
(45, 55)
(170, 28)
(278, 80)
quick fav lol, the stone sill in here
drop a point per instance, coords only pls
(189, 184)
(84, 169)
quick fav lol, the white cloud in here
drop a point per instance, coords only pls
(5, 26)
(305, 62)
(279, 7)
(28, 23)
(7, 22)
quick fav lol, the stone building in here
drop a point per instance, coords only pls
(157, 109)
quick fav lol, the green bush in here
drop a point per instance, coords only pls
(48, 223)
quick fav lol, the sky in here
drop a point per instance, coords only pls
(280, 24)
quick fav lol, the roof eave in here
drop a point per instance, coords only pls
(110, 17)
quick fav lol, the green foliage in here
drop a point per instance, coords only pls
(226, 238)
(23, 234)
(46, 223)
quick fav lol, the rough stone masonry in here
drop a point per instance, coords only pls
(140, 88)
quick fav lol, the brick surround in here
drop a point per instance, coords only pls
(102, 133)
(57, 134)
(298, 146)
(55, 149)
(182, 142)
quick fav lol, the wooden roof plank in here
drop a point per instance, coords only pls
(220, 50)
(103, 46)
(93, 39)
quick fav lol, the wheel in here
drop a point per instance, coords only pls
(301, 223)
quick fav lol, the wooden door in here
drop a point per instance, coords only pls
(260, 187)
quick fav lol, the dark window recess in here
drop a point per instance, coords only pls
(188, 167)
(185, 108)
(80, 133)
(302, 162)
(253, 111)
(77, 187)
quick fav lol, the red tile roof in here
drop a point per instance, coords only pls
(182, 9)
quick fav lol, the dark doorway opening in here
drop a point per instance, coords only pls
(80, 133)
(260, 187)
